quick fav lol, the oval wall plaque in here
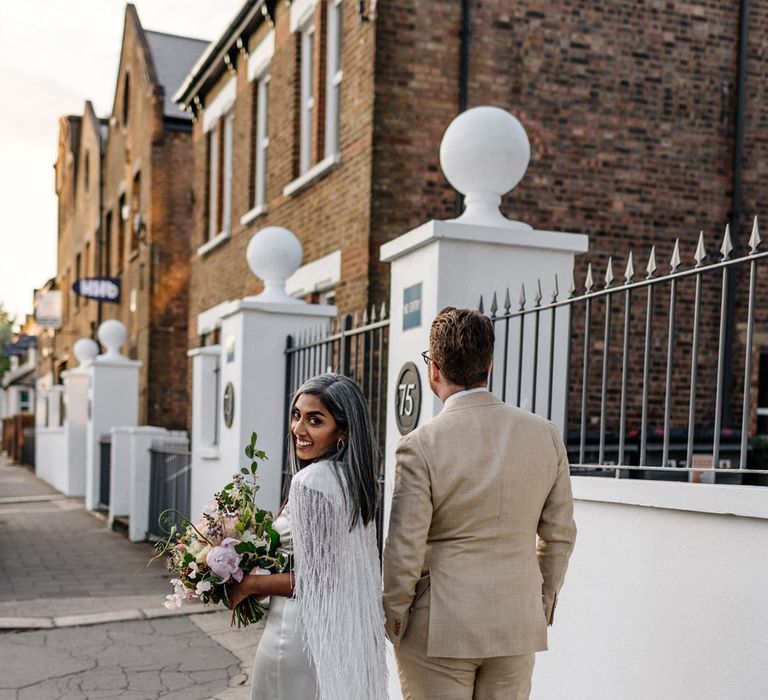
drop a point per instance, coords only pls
(407, 398)
(229, 404)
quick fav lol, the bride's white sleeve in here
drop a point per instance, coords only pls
(338, 592)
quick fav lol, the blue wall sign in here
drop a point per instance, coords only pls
(101, 288)
(412, 306)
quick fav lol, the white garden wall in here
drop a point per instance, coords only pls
(662, 603)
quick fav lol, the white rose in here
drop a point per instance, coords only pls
(202, 554)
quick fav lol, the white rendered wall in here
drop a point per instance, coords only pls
(455, 262)
(75, 426)
(113, 396)
(660, 604)
(120, 473)
(51, 457)
(253, 335)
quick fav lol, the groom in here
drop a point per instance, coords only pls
(469, 588)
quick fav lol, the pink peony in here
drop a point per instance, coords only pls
(224, 561)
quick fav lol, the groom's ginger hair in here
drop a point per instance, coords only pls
(461, 344)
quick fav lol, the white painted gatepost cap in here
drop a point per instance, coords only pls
(274, 254)
(85, 350)
(112, 334)
(484, 153)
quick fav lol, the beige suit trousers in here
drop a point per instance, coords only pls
(425, 677)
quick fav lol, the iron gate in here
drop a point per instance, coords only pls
(169, 488)
(353, 346)
(657, 382)
(105, 469)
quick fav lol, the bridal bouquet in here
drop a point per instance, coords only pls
(233, 539)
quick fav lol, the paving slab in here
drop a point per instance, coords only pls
(83, 612)
(136, 659)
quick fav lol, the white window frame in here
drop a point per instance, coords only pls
(25, 404)
(307, 96)
(213, 183)
(226, 197)
(262, 141)
(334, 75)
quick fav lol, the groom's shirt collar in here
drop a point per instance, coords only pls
(465, 392)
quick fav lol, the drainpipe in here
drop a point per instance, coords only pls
(100, 229)
(466, 36)
(737, 209)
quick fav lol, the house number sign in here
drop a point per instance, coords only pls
(407, 398)
(229, 404)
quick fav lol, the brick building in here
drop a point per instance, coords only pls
(125, 203)
(326, 117)
(78, 188)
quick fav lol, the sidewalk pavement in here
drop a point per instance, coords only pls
(81, 614)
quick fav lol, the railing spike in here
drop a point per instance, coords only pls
(494, 306)
(675, 261)
(609, 272)
(650, 268)
(727, 247)
(507, 302)
(522, 300)
(555, 290)
(589, 282)
(365, 316)
(629, 272)
(754, 239)
(572, 285)
(480, 306)
(374, 318)
(538, 295)
(356, 320)
(701, 252)
(383, 313)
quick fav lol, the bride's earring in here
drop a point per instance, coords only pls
(340, 444)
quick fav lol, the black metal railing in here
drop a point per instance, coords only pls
(105, 469)
(666, 398)
(169, 488)
(354, 346)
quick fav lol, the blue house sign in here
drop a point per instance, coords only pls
(101, 288)
(412, 306)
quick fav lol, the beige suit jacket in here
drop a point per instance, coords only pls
(473, 489)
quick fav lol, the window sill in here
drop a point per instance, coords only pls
(254, 213)
(314, 173)
(215, 242)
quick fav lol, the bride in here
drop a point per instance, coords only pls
(324, 636)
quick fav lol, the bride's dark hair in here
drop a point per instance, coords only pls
(357, 455)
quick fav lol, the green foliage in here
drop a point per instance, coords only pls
(6, 333)
(259, 543)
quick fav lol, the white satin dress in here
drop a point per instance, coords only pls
(282, 668)
(326, 643)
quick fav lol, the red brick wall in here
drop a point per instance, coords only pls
(330, 214)
(156, 270)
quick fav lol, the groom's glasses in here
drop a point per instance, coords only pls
(427, 359)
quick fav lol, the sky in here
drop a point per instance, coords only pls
(55, 55)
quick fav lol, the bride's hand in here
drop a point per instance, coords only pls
(250, 585)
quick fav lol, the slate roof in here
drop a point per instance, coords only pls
(173, 57)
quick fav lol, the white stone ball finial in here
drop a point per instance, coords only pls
(112, 334)
(85, 351)
(274, 254)
(484, 154)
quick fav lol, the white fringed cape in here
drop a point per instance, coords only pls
(337, 588)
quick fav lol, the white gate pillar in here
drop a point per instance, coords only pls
(113, 400)
(250, 393)
(484, 153)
